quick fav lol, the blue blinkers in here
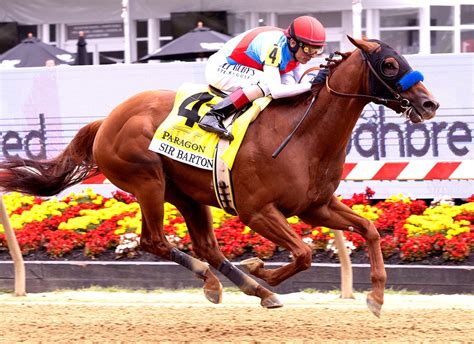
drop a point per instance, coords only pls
(409, 79)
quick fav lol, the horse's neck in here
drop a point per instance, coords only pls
(334, 117)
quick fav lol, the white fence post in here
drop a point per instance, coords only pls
(346, 266)
(14, 249)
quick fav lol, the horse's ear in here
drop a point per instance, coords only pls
(363, 45)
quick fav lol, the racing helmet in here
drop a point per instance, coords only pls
(307, 30)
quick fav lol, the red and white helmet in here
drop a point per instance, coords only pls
(307, 30)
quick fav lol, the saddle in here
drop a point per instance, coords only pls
(180, 138)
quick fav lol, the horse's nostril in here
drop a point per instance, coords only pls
(431, 105)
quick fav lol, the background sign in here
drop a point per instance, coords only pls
(41, 109)
(108, 30)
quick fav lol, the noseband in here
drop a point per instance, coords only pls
(389, 93)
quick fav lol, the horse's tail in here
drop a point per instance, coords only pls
(50, 177)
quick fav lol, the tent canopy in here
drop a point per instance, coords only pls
(199, 42)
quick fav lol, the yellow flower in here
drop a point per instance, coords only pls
(439, 219)
(293, 220)
(397, 198)
(367, 211)
(246, 230)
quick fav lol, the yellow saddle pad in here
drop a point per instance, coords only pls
(180, 138)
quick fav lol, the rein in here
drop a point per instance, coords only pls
(284, 143)
(310, 106)
(399, 100)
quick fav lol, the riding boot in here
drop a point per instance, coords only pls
(212, 121)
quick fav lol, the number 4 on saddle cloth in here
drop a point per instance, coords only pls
(180, 138)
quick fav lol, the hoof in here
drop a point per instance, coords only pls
(374, 306)
(215, 296)
(271, 301)
(252, 264)
(212, 288)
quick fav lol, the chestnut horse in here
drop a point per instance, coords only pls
(301, 181)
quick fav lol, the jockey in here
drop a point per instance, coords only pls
(260, 62)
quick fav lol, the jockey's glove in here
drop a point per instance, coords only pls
(320, 77)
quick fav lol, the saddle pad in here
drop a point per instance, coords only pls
(180, 138)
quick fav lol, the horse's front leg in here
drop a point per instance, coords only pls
(337, 215)
(272, 224)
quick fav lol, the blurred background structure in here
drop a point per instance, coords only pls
(42, 108)
(129, 30)
(197, 44)
(81, 55)
(31, 52)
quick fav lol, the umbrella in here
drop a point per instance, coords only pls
(31, 52)
(104, 59)
(199, 42)
(81, 57)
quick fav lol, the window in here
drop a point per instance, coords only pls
(398, 18)
(142, 38)
(442, 29)
(442, 42)
(263, 19)
(442, 15)
(142, 49)
(142, 29)
(165, 32)
(467, 29)
(400, 29)
(52, 33)
(332, 47)
(235, 23)
(467, 41)
(328, 19)
(467, 14)
(403, 41)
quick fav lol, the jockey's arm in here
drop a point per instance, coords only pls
(294, 76)
(275, 87)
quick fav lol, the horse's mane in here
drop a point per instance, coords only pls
(332, 64)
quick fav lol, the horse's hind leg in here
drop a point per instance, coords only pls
(199, 222)
(153, 240)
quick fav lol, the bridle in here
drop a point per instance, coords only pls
(398, 100)
(407, 79)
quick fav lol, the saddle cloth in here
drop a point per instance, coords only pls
(180, 138)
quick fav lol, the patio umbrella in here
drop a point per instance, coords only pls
(31, 52)
(199, 42)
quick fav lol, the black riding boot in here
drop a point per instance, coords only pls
(212, 121)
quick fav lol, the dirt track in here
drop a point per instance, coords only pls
(67, 317)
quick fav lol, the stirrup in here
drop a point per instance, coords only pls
(221, 132)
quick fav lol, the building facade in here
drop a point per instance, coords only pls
(131, 29)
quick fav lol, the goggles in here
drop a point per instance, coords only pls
(311, 50)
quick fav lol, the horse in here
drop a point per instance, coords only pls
(301, 181)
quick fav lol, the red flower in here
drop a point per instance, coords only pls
(455, 249)
(389, 245)
(61, 242)
(416, 248)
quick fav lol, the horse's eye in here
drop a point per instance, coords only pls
(390, 67)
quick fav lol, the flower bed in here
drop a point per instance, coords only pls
(410, 230)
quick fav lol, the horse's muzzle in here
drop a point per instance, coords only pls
(423, 110)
